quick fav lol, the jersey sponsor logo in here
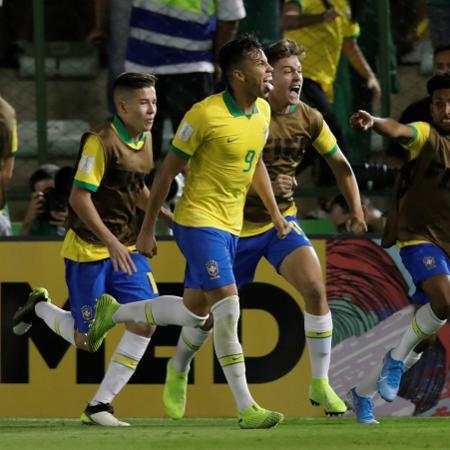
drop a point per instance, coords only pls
(232, 139)
(213, 269)
(429, 262)
(86, 163)
(185, 131)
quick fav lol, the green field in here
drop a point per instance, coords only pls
(217, 434)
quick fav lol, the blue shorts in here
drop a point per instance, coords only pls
(424, 261)
(209, 254)
(87, 281)
(251, 249)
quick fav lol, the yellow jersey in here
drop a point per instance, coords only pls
(223, 145)
(89, 175)
(323, 41)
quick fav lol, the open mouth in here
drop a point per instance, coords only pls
(294, 92)
(268, 86)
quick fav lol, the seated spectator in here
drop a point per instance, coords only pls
(418, 111)
(339, 213)
(47, 209)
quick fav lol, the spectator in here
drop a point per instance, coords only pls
(37, 220)
(8, 149)
(326, 29)
(418, 111)
(439, 19)
(339, 214)
(111, 27)
(179, 41)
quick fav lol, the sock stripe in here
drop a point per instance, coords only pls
(417, 329)
(149, 315)
(318, 334)
(231, 359)
(125, 361)
(189, 344)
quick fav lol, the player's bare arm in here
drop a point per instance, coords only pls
(292, 18)
(355, 57)
(80, 200)
(172, 165)
(348, 186)
(261, 184)
(385, 126)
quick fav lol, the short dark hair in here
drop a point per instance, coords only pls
(129, 81)
(438, 82)
(339, 200)
(232, 53)
(441, 49)
(283, 49)
(45, 172)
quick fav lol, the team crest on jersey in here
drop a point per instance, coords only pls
(213, 269)
(429, 262)
(87, 313)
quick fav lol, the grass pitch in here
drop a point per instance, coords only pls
(218, 434)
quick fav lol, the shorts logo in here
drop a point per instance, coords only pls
(213, 269)
(429, 262)
(87, 313)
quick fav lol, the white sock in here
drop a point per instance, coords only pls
(412, 359)
(229, 350)
(424, 324)
(164, 310)
(57, 319)
(318, 331)
(189, 342)
(122, 366)
(368, 386)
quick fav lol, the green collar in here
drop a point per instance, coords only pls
(234, 108)
(123, 133)
(293, 108)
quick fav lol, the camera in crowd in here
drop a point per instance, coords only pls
(56, 198)
(372, 176)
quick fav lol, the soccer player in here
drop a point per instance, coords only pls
(99, 247)
(222, 137)
(419, 222)
(294, 125)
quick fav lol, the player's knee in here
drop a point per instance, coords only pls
(314, 293)
(226, 312)
(441, 308)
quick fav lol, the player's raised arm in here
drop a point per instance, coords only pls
(384, 126)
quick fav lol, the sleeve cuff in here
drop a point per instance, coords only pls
(179, 152)
(87, 186)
